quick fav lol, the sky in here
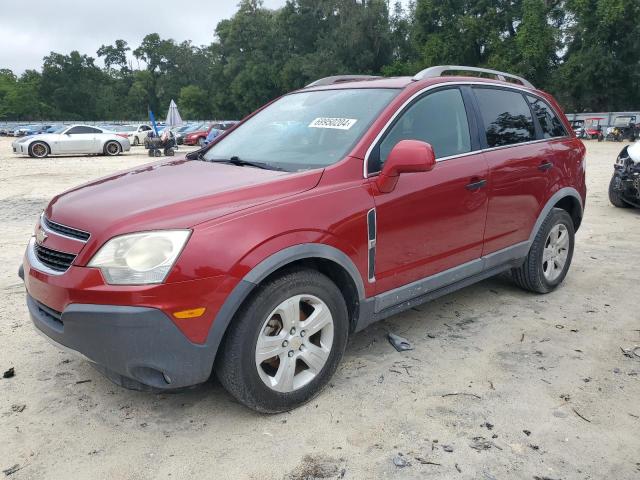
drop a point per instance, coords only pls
(30, 30)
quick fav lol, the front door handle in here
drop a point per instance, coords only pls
(476, 184)
(544, 166)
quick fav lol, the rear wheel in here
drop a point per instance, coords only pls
(136, 141)
(112, 149)
(285, 342)
(615, 192)
(38, 150)
(550, 255)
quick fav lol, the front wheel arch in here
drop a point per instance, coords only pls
(326, 259)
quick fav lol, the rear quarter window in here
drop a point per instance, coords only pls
(506, 116)
(549, 122)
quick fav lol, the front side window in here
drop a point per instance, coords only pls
(304, 130)
(439, 118)
(506, 116)
(548, 120)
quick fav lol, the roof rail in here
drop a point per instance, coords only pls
(438, 71)
(340, 79)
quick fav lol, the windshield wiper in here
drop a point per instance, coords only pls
(235, 160)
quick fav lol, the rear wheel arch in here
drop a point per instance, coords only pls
(566, 198)
(573, 207)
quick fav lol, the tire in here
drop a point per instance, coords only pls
(112, 148)
(136, 141)
(151, 152)
(237, 365)
(157, 153)
(615, 195)
(39, 150)
(533, 275)
(169, 152)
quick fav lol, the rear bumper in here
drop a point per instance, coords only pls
(128, 343)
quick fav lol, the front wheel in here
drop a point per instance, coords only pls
(38, 150)
(550, 255)
(285, 343)
(615, 192)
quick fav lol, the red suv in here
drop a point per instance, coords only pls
(328, 209)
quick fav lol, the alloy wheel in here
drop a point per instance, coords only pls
(555, 253)
(39, 150)
(294, 343)
(113, 148)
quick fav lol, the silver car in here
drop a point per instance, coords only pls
(74, 139)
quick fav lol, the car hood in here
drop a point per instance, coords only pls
(40, 136)
(174, 194)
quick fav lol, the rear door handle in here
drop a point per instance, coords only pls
(476, 184)
(544, 166)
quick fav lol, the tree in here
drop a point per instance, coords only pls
(585, 52)
(194, 102)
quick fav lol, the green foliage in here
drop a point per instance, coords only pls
(194, 102)
(585, 52)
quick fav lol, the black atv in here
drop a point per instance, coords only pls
(624, 188)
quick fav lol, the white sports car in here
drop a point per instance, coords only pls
(74, 139)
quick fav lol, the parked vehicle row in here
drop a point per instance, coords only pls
(335, 206)
(625, 127)
(25, 130)
(206, 133)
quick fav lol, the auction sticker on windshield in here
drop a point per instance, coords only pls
(337, 123)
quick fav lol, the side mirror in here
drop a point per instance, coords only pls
(408, 156)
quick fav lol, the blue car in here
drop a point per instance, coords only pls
(31, 130)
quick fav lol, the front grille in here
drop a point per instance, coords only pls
(50, 313)
(64, 230)
(58, 261)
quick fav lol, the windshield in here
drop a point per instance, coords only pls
(304, 130)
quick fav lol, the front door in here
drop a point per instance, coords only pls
(433, 221)
(78, 139)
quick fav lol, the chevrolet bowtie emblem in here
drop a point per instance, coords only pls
(41, 236)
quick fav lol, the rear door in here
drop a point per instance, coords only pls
(521, 166)
(432, 221)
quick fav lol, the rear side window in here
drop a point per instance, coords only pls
(506, 116)
(439, 118)
(549, 122)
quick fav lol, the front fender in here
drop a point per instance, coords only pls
(267, 266)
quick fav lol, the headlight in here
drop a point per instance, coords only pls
(140, 258)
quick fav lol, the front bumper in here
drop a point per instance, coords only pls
(19, 147)
(127, 331)
(127, 343)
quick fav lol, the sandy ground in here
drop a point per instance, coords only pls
(545, 390)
